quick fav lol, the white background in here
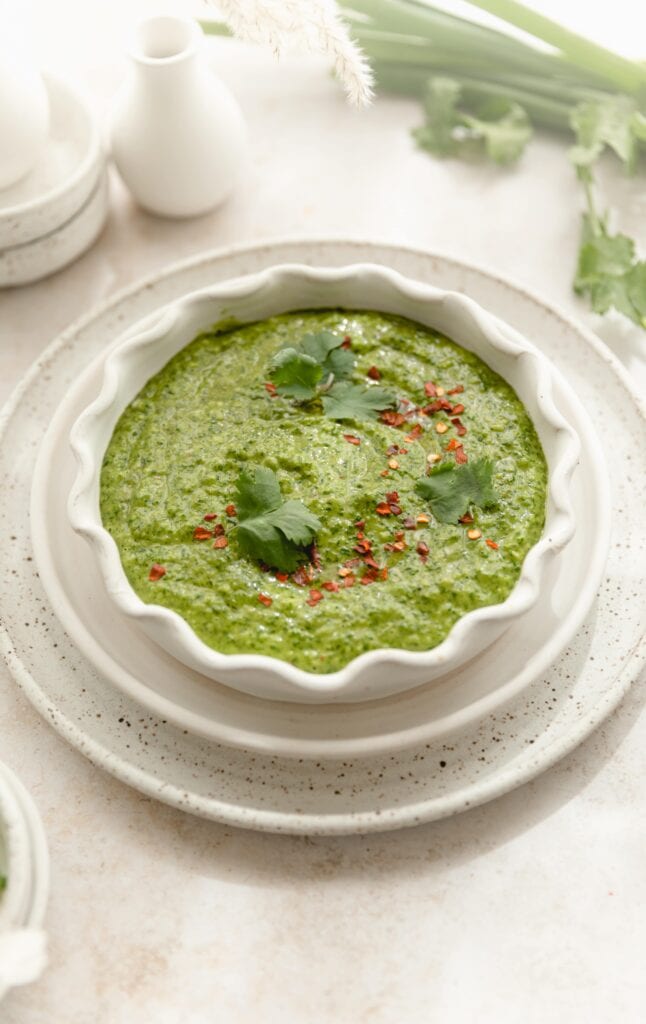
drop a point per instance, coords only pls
(529, 909)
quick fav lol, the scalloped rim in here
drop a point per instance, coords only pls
(558, 531)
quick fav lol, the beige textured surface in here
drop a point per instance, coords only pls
(526, 909)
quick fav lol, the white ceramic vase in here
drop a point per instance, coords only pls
(178, 135)
(24, 118)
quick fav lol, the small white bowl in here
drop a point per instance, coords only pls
(31, 261)
(65, 176)
(148, 347)
(24, 861)
(15, 859)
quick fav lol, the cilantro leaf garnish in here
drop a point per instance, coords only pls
(297, 371)
(270, 529)
(501, 125)
(345, 401)
(451, 488)
(325, 348)
(295, 374)
(318, 368)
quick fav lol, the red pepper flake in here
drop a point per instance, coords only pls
(347, 341)
(360, 535)
(352, 561)
(392, 449)
(330, 585)
(474, 534)
(370, 576)
(457, 410)
(398, 545)
(302, 576)
(370, 562)
(491, 544)
(265, 599)
(423, 519)
(392, 419)
(383, 573)
(349, 581)
(374, 373)
(218, 530)
(210, 516)
(409, 523)
(345, 571)
(314, 598)
(453, 444)
(461, 456)
(434, 407)
(201, 533)
(429, 389)
(457, 390)
(416, 432)
(363, 547)
(403, 451)
(392, 496)
(466, 518)
(270, 389)
(351, 439)
(385, 472)
(459, 426)
(156, 572)
(282, 577)
(231, 510)
(383, 509)
(395, 508)
(423, 551)
(221, 542)
(360, 524)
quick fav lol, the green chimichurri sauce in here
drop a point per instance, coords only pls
(178, 450)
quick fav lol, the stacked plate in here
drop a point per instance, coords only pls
(55, 213)
(24, 868)
(398, 753)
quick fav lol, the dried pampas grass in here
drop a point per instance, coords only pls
(311, 25)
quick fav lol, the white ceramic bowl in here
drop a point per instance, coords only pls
(149, 346)
(24, 861)
(65, 176)
(31, 261)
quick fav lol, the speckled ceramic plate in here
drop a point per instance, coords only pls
(429, 780)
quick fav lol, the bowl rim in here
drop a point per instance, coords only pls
(85, 517)
(91, 156)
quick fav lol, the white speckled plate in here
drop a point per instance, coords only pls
(429, 780)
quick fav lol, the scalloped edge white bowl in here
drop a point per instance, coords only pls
(148, 347)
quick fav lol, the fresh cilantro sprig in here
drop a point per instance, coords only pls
(498, 125)
(274, 531)
(319, 368)
(451, 488)
(608, 271)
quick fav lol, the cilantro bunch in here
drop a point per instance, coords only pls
(484, 89)
(319, 368)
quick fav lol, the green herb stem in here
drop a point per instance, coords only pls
(625, 74)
